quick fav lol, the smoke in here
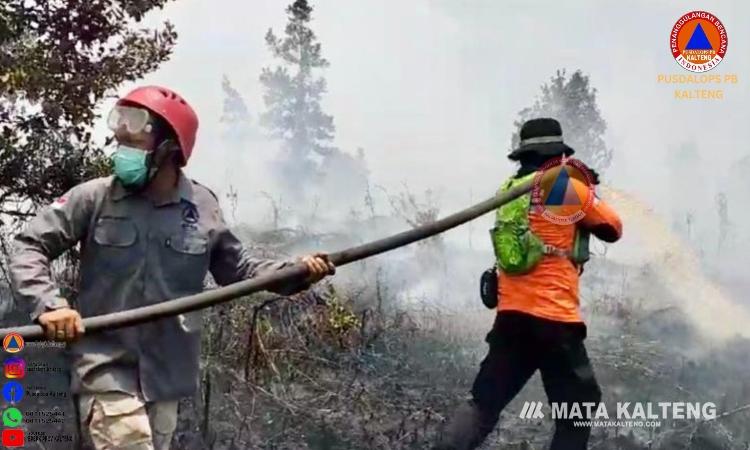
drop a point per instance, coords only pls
(650, 243)
(430, 91)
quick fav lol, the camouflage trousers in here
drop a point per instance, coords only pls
(119, 421)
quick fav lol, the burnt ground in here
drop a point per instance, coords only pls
(334, 369)
(390, 382)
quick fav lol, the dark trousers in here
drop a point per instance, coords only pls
(519, 345)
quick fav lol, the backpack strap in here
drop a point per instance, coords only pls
(578, 255)
(551, 250)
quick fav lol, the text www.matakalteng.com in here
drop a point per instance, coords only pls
(617, 423)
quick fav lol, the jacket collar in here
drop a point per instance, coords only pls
(183, 191)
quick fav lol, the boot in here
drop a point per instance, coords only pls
(468, 428)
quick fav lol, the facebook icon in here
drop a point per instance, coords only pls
(12, 392)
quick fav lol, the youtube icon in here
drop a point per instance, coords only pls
(13, 438)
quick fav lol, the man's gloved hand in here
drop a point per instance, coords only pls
(594, 174)
(64, 324)
(319, 266)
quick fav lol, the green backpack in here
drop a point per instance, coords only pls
(517, 249)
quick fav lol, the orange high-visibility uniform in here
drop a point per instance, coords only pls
(550, 290)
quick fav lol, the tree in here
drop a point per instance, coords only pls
(58, 60)
(235, 115)
(292, 97)
(573, 103)
(236, 132)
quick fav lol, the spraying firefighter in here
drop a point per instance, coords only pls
(538, 324)
(147, 234)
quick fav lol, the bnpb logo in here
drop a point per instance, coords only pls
(566, 195)
(698, 41)
(13, 343)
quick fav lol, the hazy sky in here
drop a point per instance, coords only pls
(430, 89)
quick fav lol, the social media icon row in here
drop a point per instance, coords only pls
(13, 368)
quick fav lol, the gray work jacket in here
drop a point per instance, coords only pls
(134, 252)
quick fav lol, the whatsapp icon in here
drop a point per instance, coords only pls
(12, 417)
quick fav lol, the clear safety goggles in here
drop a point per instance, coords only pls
(134, 120)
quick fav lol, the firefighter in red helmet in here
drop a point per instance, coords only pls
(148, 234)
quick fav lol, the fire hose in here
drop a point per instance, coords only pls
(297, 271)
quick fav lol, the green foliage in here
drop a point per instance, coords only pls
(293, 93)
(58, 60)
(341, 318)
(572, 101)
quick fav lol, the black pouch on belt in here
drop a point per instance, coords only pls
(488, 288)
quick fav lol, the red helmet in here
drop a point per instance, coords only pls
(168, 105)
